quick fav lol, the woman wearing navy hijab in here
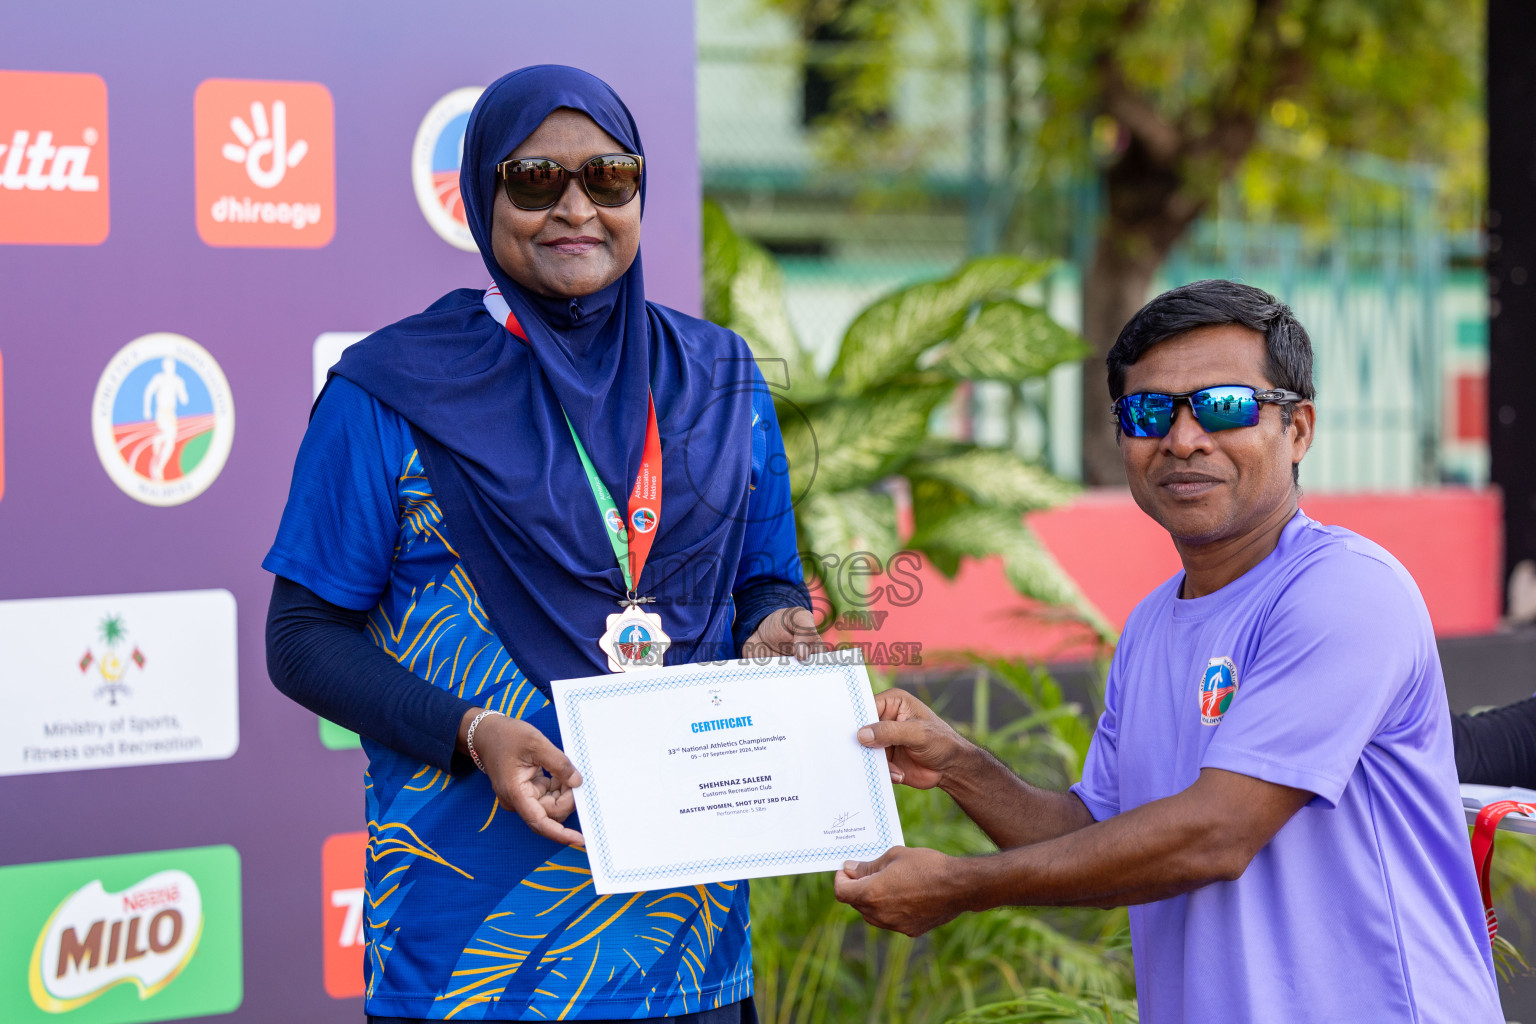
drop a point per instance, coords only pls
(499, 492)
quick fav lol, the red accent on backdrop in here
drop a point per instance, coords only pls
(342, 909)
(1472, 407)
(1449, 540)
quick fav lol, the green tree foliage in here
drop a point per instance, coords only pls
(1286, 106)
(1281, 94)
(854, 432)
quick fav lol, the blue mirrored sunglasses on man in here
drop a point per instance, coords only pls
(1222, 407)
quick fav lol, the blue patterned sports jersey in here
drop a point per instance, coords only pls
(471, 915)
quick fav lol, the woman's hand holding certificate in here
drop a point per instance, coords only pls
(709, 772)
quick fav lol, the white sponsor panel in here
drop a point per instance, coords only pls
(117, 680)
(96, 939)
(328, 349)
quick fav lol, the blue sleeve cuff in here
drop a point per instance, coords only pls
(756, 601)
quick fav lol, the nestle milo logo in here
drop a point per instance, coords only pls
(118, 940)
(97, 939)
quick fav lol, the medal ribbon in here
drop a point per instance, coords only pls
(631, 538)
(1482, 851)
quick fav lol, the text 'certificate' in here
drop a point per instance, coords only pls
(711, 772)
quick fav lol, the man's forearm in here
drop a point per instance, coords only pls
(1154, 852)
(1009, 810)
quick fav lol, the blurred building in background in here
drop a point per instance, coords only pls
(1389, 280)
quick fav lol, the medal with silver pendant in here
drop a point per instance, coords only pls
(634, 639)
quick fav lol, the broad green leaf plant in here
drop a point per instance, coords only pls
(861, 432)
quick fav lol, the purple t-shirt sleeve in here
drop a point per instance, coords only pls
(1337, 653)
(1099, 789)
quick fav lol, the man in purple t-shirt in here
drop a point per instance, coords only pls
(1271, 786)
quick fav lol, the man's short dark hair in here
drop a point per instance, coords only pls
(1211, 304)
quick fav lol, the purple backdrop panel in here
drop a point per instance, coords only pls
(341, 245)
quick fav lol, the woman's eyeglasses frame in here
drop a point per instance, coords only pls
(506, 168)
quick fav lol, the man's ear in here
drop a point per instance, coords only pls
(1303, 427)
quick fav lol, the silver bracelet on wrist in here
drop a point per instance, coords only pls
(469, 737)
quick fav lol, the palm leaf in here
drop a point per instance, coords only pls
(979, 531)
(887, 337)
(744, 291)
(852, 442)
(1010, 341)
(991, 476)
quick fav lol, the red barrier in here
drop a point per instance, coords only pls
(1449, 540)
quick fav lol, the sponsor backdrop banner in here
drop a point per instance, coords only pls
(199, 209)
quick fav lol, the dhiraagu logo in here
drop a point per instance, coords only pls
(121, 940)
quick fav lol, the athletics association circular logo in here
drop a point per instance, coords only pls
(1217, 687)
(163, 419)
(634, 642)
(614, 520)
(644, 520)
(435, 159)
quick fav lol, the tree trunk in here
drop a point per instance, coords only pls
(1117, 285)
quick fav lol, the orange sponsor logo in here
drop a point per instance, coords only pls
(53, 158)
(266, 163)
(346, 903)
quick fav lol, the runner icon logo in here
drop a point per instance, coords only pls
(635, 643)
(53, 158)
(1217, 687)
(163, 419)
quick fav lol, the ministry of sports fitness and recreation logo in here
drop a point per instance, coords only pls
(163, 419)
(166, 923)
(1217, 688)
(53, 158)
(435, 159)
(266, 163)
(111, 663)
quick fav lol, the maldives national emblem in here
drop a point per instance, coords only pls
(110, 663)
(1217, 688)
(163, 419)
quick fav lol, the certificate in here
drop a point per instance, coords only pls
(721, 770)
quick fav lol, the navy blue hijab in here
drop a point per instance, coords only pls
(486, 414)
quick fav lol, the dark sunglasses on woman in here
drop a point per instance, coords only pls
(537, 182)
(1222, 407)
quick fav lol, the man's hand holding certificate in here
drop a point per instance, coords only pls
(709, 772)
